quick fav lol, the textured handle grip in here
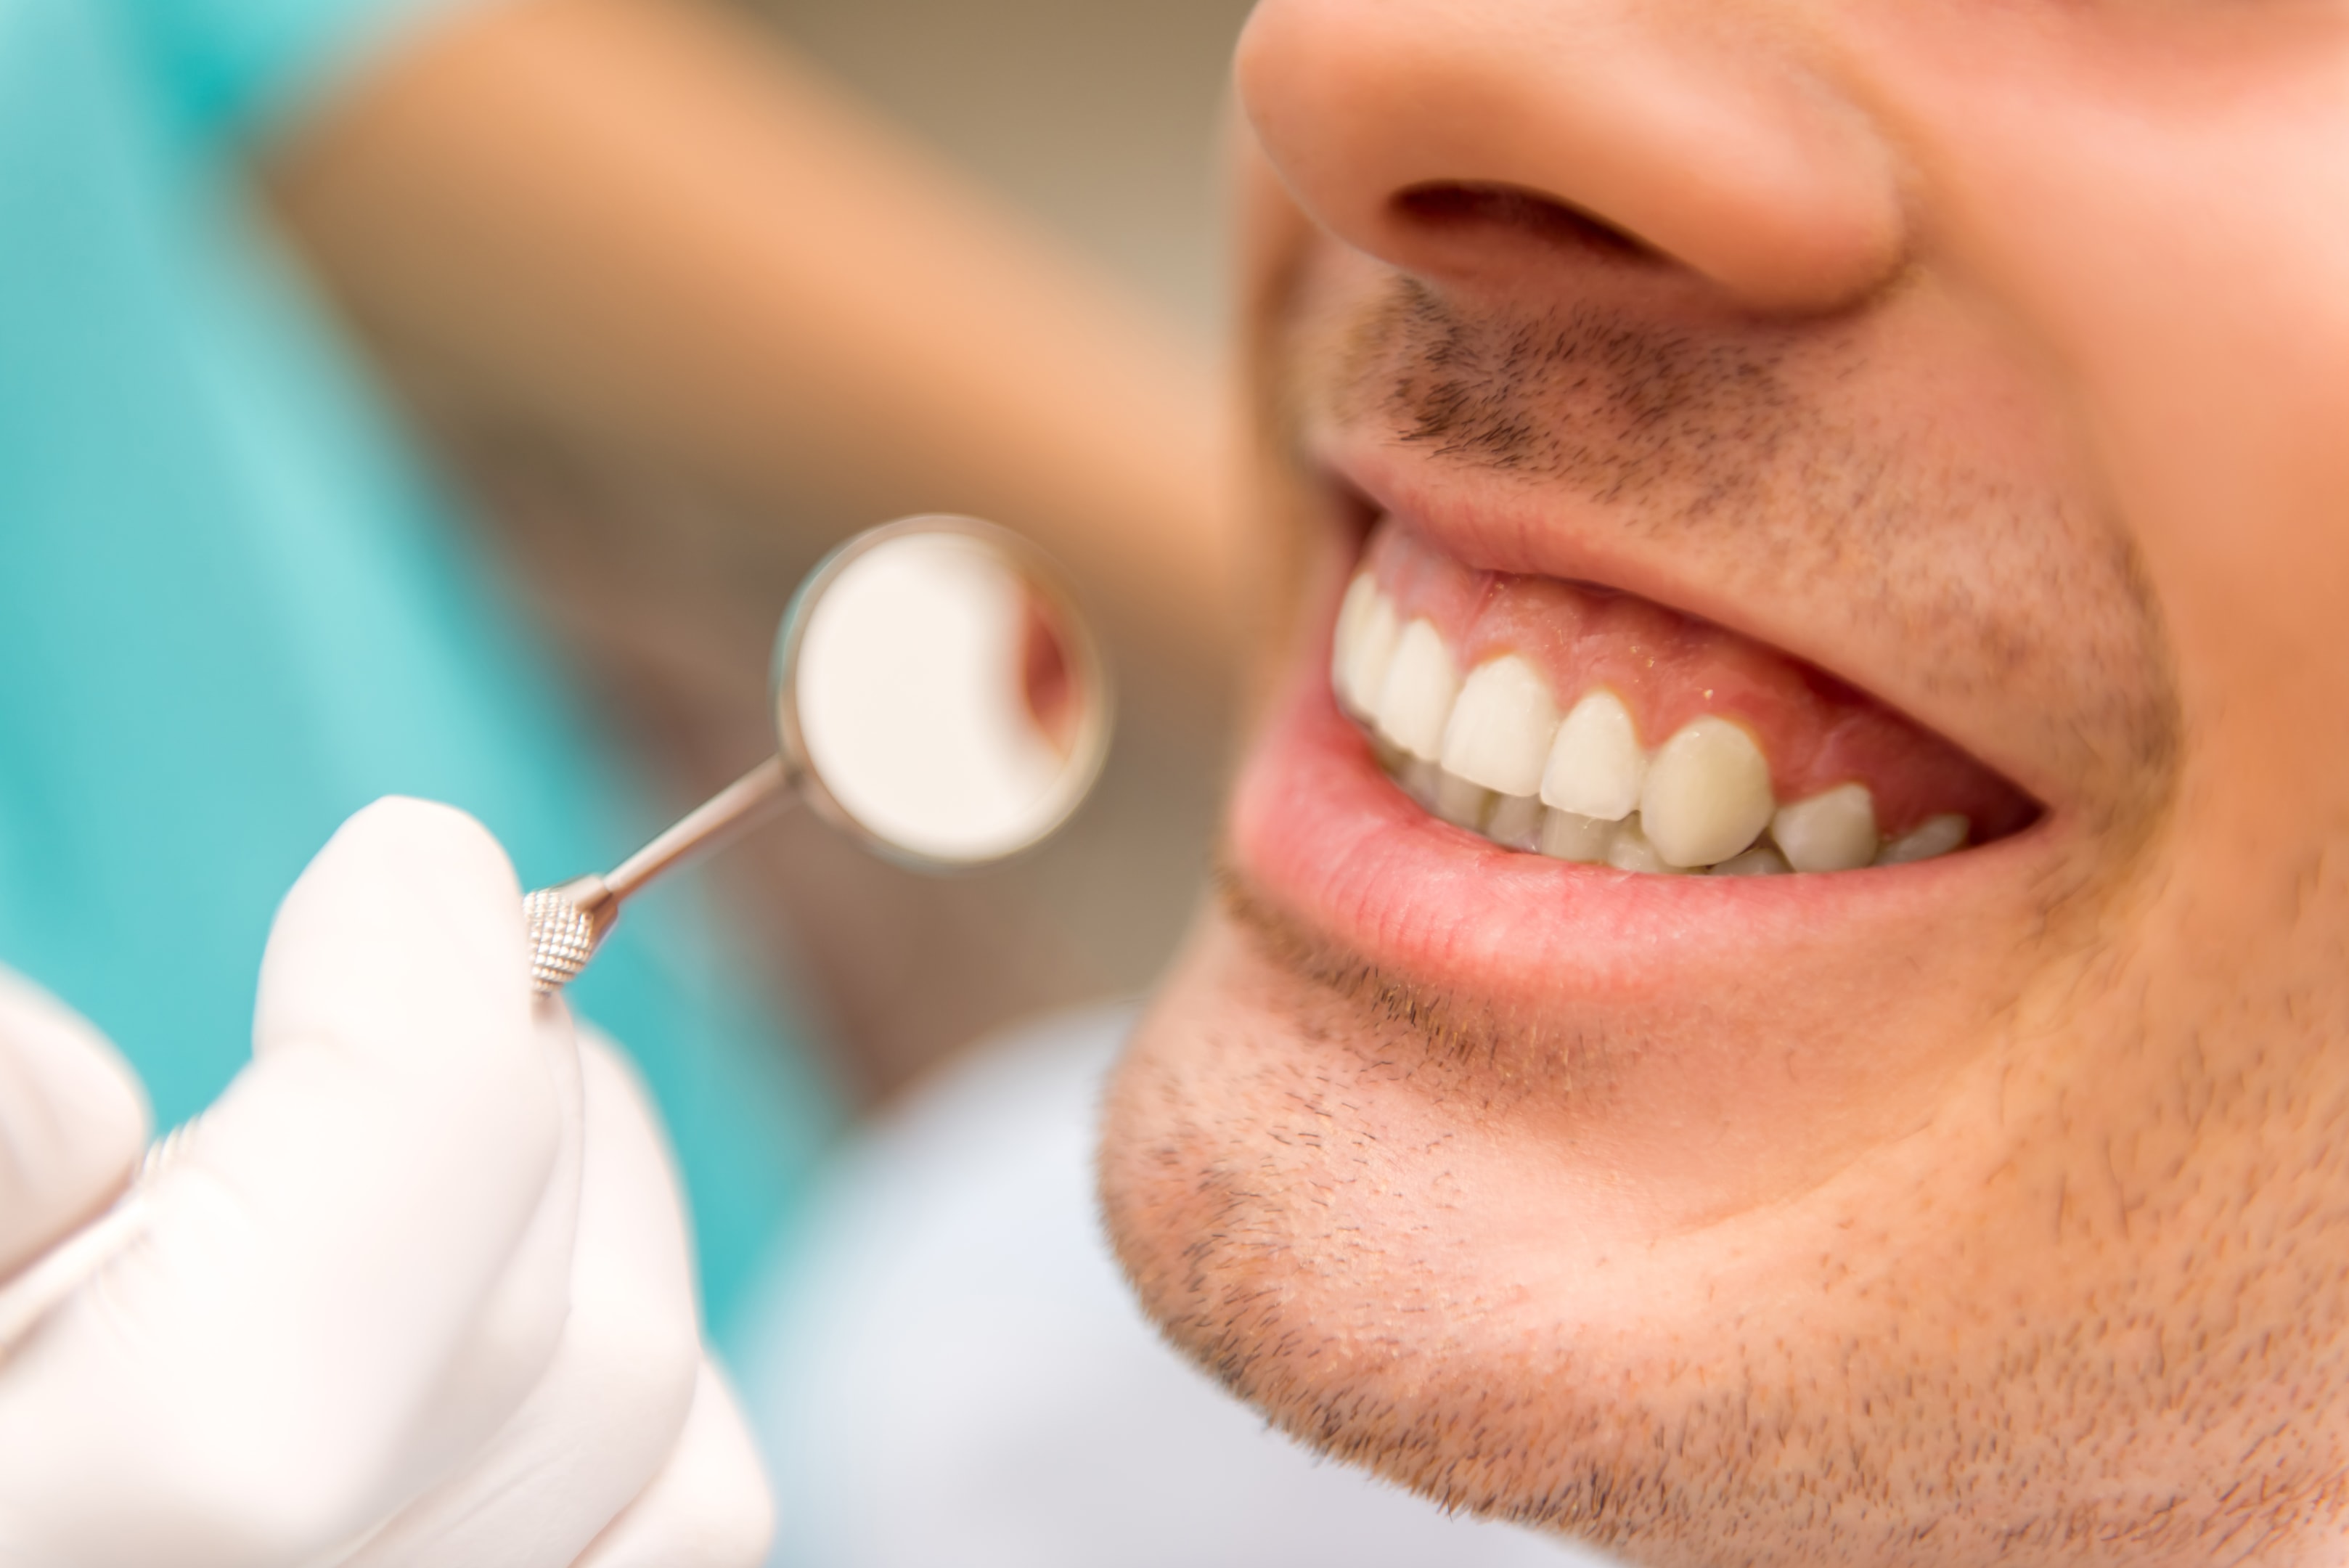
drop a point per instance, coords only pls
(562, 939)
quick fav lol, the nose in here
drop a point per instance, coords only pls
(1713, 140)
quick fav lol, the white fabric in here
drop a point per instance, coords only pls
(416, 1290)
(955, 1374)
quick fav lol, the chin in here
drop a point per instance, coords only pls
(1940, 1355)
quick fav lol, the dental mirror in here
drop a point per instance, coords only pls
(935, 696)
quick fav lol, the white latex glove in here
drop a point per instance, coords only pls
(416, 1291)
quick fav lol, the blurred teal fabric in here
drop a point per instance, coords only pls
(234, 610)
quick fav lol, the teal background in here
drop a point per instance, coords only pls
(234, 609)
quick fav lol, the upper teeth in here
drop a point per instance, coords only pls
(1831, 832)
(1366, 644)
(1596, 766)
(1492, 754)
(1416, 697)
(1708, 794)
(1500, 730)
(1935, 836)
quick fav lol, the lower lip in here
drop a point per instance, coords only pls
(1319, 830)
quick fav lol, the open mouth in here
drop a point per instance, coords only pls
(1593, 726)
(1475, 817)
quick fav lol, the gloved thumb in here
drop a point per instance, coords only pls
(73, 1121)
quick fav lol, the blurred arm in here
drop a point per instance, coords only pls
(641, 222)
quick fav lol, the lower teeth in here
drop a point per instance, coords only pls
(1522, 823)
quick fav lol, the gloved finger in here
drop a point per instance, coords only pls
(514, 1334)
(609, 1408)
(266, 1373)
(73, 1121)
(710, 1507)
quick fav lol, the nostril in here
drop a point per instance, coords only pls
(1455, 206)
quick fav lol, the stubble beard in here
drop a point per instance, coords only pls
(2150, 1411)
(2080, 1360)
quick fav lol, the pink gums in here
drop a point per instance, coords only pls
(1669, 668)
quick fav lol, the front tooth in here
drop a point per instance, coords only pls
(1367, 654)
(1348, 636)
(1461, 803)
(1934, 836)
(1501, 728)
(1515, 821)
(1834, 831)
(1707, 794)
(1415, 699)
(1568, 836)
(1596, 766)
(1633, 849)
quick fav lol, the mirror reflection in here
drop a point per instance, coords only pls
(938, 695)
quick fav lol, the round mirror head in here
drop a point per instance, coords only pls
(937, 693)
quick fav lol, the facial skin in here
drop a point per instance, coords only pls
(1994, 359)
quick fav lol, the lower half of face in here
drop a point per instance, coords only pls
(1738, 1023)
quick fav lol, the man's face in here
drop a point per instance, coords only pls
(1736, 407)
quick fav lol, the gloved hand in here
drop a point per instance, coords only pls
(416, 1291)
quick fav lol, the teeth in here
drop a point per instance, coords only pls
(1834, 831)
(1634, 850)
(1515, 821)
(1500, 730)
(1364, 649)
(1935, 836)
(1361, 594)
(1567, 835)
(1596, 766)
(1708, 794)
(1459, 803)
(1415, 699)
(1759, 861)
(1421, 780)
(1490, 754)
